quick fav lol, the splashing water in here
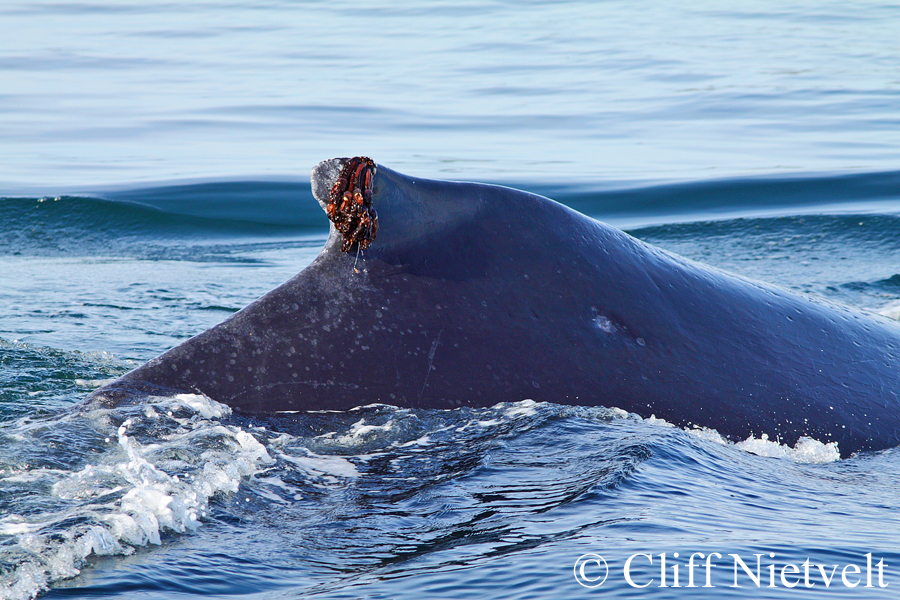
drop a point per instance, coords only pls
(134, 475)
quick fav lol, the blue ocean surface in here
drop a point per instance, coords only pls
(154, 163)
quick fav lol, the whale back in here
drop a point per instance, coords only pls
(473, 294)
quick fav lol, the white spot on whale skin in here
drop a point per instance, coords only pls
(604, 324)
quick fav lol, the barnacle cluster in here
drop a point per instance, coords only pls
(350, 204)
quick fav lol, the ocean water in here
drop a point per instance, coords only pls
(153, 180)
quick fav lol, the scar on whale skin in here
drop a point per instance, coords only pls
(350, 204)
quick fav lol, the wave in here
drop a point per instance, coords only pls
(718, 199)
(267, 209)
(138, 476)
(198, 212)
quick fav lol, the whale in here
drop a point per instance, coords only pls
(438, 295)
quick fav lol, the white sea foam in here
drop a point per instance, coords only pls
(132, 493)
(203, 406)
(806, 450)
(425, 440)
(94, 383)
(891, 311)
(503, 412)
(524, 408)
(316, 465)
(359, 431)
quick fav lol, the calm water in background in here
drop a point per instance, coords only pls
(153, 162)
(130, 92)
